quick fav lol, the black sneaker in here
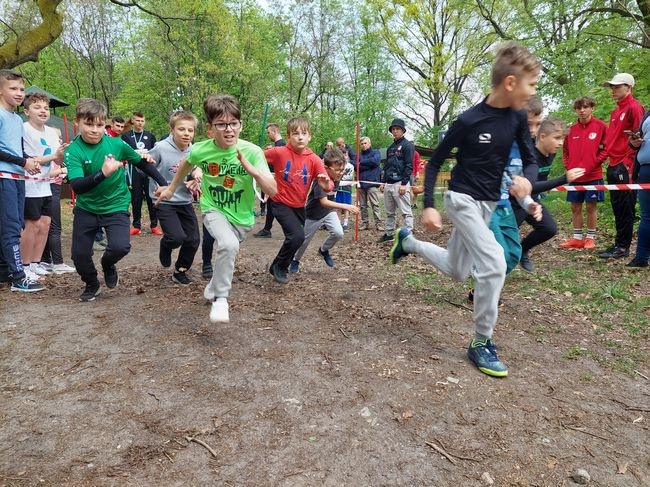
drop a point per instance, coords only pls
(525, 263)
(111, 279)
(181, 278)
(281, 275)
(385, 238)
(637, 262)
(165, 255)
(26, 285)
(263, 233)
(206, 271)
(90, 293)
(614, 253)
(325, 254)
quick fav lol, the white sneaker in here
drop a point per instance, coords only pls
(219, 311)
(29, 274)
(37, 269)
(46, 266)
(62, 268)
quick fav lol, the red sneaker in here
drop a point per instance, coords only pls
(589, 244)
(573, 243)
(135, 231)
(157, 231)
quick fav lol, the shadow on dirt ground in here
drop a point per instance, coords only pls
(346, 376)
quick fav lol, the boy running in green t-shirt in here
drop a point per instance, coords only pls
(229, 168)
(97, 177)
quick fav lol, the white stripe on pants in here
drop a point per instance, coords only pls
(333, 225)
(471, 244)
(392, 201)
(227, 238)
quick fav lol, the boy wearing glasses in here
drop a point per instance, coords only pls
(321, 210)
(229, 166)
(42, 142)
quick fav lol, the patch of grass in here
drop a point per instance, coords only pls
(575, 352)
(432, 285)
(613, 343)
(586, 377)
(628, 363)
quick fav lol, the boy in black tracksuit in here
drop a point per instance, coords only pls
(484, 135)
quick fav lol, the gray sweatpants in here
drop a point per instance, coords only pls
(393, 201)
(333, 225)
(471, 245)
(227, 238)
(369, 196)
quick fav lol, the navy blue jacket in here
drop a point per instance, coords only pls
(369, 167)
(399, 162)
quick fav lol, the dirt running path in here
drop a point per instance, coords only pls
(344, 377)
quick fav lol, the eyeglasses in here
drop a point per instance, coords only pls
(221, 126)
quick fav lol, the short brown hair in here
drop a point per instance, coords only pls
(534, 106)
(333, 157)
(274, 126)
(551, 125)
(8, 74)
(584, 101)
(36, 97)
(137, 114)
(216, 105)
(179, 115)
(89, 109)
(513, 59)
(297, 123)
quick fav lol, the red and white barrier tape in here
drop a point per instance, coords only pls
(603, 187)
(591, 187)
(375, 183)
(22, 177)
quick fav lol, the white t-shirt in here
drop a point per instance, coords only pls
(39, 143)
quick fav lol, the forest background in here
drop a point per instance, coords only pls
(333, 62)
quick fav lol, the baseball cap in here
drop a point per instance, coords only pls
(620, 79)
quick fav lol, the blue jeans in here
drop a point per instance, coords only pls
(12, 219)
(643, 244)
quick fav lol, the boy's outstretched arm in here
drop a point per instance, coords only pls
(166, 192)
(325, 203)
(431, 218)
(266, 180)
(146, 166)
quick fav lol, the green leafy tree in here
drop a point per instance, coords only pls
(441, 48)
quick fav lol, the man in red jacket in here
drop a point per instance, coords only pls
(626, 116)
(584, 147)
